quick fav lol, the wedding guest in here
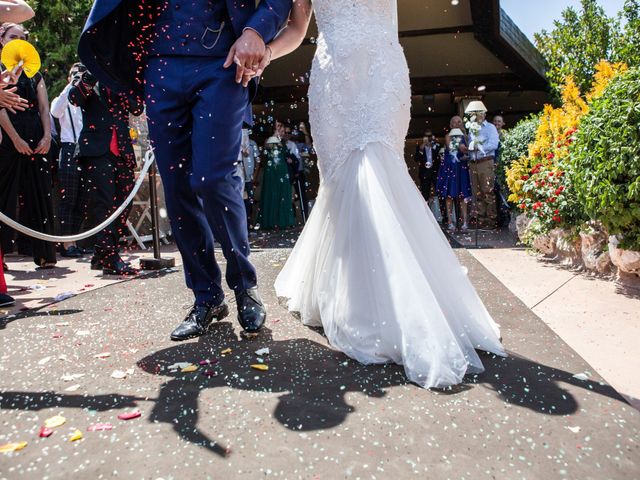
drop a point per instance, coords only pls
(5, 299)
(429, 164)
(247, 161)
(482, 146)
(108, 161)
(71, 208)
(502, 206)
(10, 11)
(454, 183)
(297, 171)
(276, 208)
(25, 173)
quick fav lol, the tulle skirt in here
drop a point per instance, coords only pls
(373, 268)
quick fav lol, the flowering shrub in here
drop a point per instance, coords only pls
(549, 198)
(605, 159)
(541, 183)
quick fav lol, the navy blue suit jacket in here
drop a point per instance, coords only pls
(112, 44)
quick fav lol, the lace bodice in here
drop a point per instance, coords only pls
(359, 92)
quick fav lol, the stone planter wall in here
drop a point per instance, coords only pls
(594, 251)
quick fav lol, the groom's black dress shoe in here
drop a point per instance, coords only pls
(251, 311)
(198, 321)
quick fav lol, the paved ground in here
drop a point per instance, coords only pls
(313, 414)
(596, 316)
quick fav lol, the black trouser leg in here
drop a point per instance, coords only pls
(108, 182)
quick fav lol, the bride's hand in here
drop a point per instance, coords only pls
(266, 60)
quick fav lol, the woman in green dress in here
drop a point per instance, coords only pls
(276, 204)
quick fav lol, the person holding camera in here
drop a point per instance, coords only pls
(71, 208)
(108, 161)
(427, 156)
(26, 176)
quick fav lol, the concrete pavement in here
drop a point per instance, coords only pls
(541, 413)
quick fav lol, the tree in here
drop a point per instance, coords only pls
(55, 31)
(626, 42)
(576, 45)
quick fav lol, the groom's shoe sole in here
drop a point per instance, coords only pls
(216, 317)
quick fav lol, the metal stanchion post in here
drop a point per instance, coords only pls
(157, 262)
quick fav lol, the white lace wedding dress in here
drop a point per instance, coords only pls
(372, 266)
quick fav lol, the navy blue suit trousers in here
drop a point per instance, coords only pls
(196, 112)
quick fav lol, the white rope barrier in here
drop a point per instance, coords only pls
(148, 160)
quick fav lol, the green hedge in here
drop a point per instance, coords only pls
(605, 159)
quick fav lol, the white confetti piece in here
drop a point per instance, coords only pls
(71, 377)
(581, 376)
(72, 388)
(44, 361)
(63, 296)
(574, 429)
(119, 374)
(262, 352)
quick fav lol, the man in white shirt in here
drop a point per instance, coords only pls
(482, 151)
(71, 211)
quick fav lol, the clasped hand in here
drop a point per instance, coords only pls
(250, 55)
(9, 99)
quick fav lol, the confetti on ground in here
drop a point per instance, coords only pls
(260, 366)
(102, 355)
(12, 447)
(44, 361)
(226, 351)
(574, 429)
(75, 436)
(72, 388)
(45, 432)
(83, 333)
(209, 373)
(55, 422)
(212, 361)
(130, 415)
(581, 376)
(190, 368)
(262, 352)
(71, 377)
(64, 296)
(119, 374)
(63, 324)
(100, 427)
(178, 366)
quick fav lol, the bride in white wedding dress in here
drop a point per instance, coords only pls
(372, 266)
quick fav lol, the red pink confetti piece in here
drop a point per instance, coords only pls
(100, 427)
(45, 432)
(130, 415)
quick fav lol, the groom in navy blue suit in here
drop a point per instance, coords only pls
(173, 53)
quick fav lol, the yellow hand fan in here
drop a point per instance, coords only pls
(19, 53)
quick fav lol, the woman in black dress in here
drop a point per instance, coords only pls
(25, 172)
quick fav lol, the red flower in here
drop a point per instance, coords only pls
(524, 177)
(550, 156)
(522, 206)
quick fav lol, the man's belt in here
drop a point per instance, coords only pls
(482, 159)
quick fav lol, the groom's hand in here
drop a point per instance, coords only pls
(247, 53)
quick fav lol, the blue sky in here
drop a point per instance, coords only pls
(533, 16)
